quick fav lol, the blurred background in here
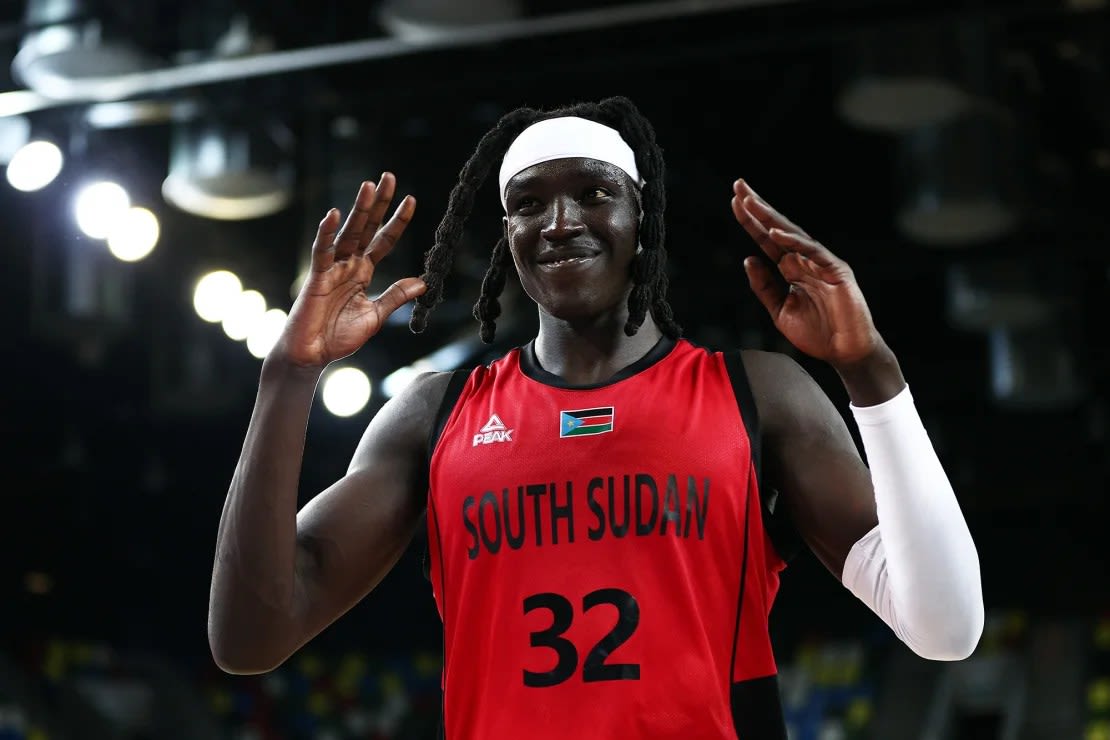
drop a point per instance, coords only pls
(167, 163)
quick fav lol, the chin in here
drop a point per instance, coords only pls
(583, 310)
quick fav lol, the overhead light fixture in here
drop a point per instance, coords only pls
(905, 76)
(892, 104)
(1034, 368)
(1000, 293)
(915, 74)
(430, 20)
(69, 43)
(960, 179)
(230, 170)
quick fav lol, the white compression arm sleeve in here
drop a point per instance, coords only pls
(918, 569)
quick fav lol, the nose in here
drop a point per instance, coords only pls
(563, 220)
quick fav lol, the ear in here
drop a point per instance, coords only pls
(505, 226)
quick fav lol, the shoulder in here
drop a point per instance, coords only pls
(785, 394)
(772, 371)
(405, 421)
(418, 403)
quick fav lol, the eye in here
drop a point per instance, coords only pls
(595, 193)
(523, 203)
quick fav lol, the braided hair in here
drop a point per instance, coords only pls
(649, 277)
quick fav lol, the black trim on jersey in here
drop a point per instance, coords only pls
(776, 520)
(740, 600)
(742, 389)
(450, 397)
(443, 609)
(757, 709)
(530, 366)
(446, 406)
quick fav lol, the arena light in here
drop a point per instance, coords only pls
(229, 171)
(346, 391)
(264, 333)
(961, 181)
(431, 20)
(15, 133)
(34, 166)
(134, 236)
(100, 206)
(66, 43)
(1035, 368)
(215, 293)
(906, 77)
(245, 310)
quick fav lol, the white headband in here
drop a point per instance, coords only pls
(569, 136)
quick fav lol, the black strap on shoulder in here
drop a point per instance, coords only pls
(446, 406)
(776, 519)
(746, 401)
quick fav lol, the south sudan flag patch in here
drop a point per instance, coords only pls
(585, 421)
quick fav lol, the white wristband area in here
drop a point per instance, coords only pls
(918, 570)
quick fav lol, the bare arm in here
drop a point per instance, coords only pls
(891, 531)
(811, 458)
(280, 576)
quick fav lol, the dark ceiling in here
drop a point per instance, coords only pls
(122, 426)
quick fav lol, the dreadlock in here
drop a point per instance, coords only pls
(649, 276)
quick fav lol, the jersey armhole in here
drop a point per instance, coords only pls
(776, 520)
(443, 413)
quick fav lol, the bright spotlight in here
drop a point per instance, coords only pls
(215, 294)
(346, 391)
(99, 207)
(265, 332)
(34, 166)
(134, 236)
(243, 313)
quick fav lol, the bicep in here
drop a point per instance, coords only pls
(353, 533)
(811, 458)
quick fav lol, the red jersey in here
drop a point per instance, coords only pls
(598, 554)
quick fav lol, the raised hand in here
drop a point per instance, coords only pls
(333, 315)
(813, 299)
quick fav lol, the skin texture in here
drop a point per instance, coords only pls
(281, 575)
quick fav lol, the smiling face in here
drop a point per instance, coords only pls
(572, 226)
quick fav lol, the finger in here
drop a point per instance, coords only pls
(755, 229)
(768, 288)
(763, 211)
(386, 238)
(349, 237)
(796, 269)
(810, 248)
(323, 253)
(382, 198)
(397, 295)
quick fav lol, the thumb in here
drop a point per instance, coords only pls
(398, 294)
(765, 285)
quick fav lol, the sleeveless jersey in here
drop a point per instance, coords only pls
(598, 555)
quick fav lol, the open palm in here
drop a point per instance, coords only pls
(333, 315)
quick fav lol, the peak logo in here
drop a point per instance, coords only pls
(494, 431)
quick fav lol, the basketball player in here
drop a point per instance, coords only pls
(605, 505)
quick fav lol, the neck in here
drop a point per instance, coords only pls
(587, 352)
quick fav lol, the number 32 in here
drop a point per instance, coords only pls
(594, 668)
